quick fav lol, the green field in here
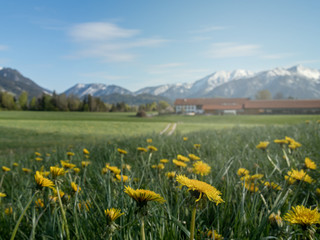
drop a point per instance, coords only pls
(24, 130)
(248, 207)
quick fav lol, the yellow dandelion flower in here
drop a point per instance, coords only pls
(124, 178)
(289, 139)
(8, 210)
(193, 157)
(201, 168)
(251, 186)
(85, 151)
(164, 160)
(85, 163)
(37, 154)
(252, 177)
(39, 159)
(242, 172)
(142, 149)
(201, 188)
(104, 170)
(44, 173)
(75, 187)
(290, 180)
(121, 151)
(299, 175)
(310, 164)
(263, 145)
(183, 158)
(217, 236)
(67, 165)
(76, 170)
(84, 204)
(149, 140)
(275, 219)
(294, 145)
(158, 166)
(152, 148)
(112, 214)
(56, 171)
(142, 196)
(61, 193)
(15, 164)
(307, 121)
(26, 170)
(6, 169)
(185, 139)
(281, 141)
(126, 166)
(39, 203)
(179, 163)
(271, 185)
(171, 175)
(48, 154)
(42, 181)
(196, 146)
(318, 191)
(114, 169)
(302, 216)
(2, 194)
(70, 154)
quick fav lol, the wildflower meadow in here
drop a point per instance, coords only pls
(257, 182)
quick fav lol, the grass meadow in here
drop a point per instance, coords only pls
(256, 200)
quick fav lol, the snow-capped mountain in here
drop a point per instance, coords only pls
(198, 88)
(297, 82)
(96, 90)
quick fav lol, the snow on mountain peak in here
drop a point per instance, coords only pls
(278, 72)
(1, 68)
(306, 72)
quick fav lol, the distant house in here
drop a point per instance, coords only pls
(222, 106)
(210, 105)
(282, 107)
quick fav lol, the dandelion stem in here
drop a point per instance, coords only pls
(21, 216)
(142, 233)
(193, 222)
(63, 214)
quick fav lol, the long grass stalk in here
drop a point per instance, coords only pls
(14, 232)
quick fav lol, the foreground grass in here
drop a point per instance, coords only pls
(243, 215)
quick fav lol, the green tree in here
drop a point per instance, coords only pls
(263, 95)
(7, 101)
(23, 100)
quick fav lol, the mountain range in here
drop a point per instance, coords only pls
(297, 82)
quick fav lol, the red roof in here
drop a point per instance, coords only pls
(210, 101)
(222, 107)
(282, 104)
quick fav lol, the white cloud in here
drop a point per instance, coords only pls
(100, 31)
(231, 50)
(109, 42)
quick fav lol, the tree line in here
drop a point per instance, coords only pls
(62, 102)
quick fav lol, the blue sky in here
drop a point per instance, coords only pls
(135, 44)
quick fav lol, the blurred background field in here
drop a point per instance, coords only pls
(24, 130)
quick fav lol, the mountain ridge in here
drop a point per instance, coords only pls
(294, 82)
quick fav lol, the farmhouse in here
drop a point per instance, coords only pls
(245, 106)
